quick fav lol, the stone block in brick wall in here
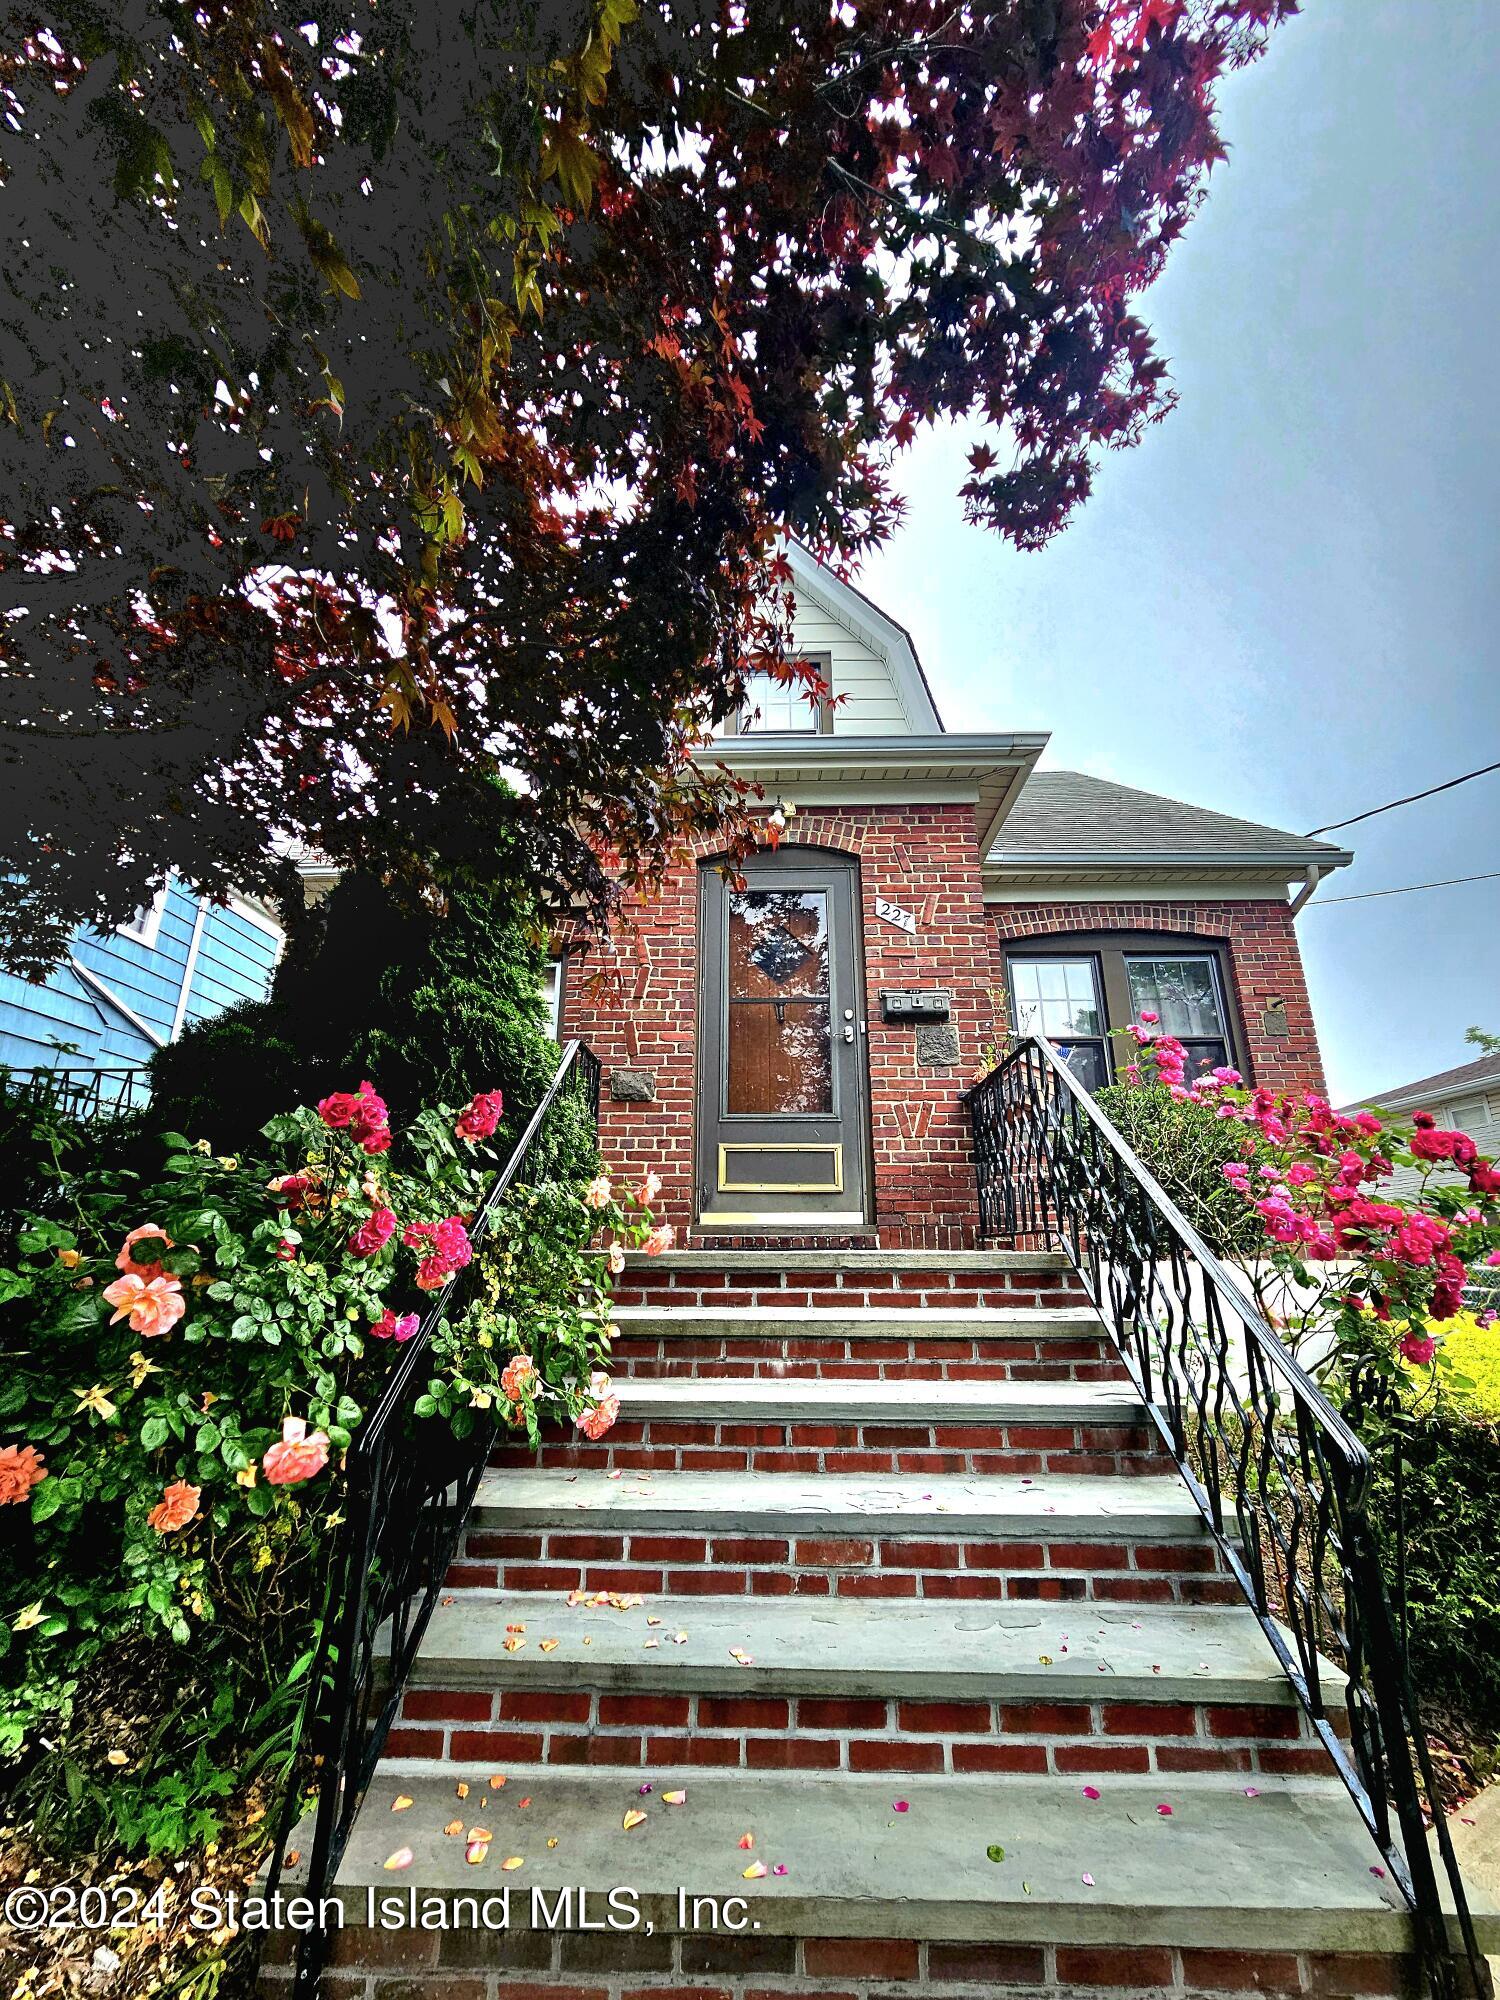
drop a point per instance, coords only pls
(632, 1086)
(937, 1047)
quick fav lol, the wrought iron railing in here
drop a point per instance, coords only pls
(79, 1093)
(403, 1515)
(1280, 1479)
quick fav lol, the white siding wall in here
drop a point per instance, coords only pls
(1477, 1112)
(871, 706)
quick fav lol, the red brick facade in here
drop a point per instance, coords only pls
(638, 1009)
(1265, 966)
(926, 858)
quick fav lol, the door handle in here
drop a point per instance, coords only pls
(848, 1034)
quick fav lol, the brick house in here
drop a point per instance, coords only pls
(790, 1054)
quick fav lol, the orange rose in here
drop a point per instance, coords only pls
(297, 1456)
(21, 1468)
(178, 1505)
(152, 1305)
(126, 1262)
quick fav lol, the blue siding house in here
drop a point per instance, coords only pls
(118, 996)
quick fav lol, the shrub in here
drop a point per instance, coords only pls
(190, 1357)
(1451, 1518)
(428, 1002)
(1187, 1147)
(1471, 1354)
(1372, 1274)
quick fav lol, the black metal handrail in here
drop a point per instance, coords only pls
(79, 1093)
(402, 1518)
(1280, 1479)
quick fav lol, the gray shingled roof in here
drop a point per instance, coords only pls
(1447, 1082)
(1068, 812)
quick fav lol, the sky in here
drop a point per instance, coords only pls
(1285, 603)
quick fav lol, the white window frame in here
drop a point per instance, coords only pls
(145, 926)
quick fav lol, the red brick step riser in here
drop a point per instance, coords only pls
(463, 1964)
(1099, 1739)
(661, 1562)
(734, 1357)
(726, 1445)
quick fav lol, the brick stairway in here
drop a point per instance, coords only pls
(918, 1590)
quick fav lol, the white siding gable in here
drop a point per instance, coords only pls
(874, 677)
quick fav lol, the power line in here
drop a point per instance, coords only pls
(1411, 888)
(1375, 811)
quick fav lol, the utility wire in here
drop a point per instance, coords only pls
(1411, 888)
(1375, 811)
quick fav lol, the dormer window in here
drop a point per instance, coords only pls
(783, 708)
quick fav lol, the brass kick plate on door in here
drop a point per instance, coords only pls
(773, 1161)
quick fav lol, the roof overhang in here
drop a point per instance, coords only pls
(1080, 876)
(984, 771)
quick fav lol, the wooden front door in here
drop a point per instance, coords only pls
(782, 1124)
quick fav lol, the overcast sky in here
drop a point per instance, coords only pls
(1284, 603)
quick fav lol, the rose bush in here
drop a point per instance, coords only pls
(191, 1356)
(1377, 1276)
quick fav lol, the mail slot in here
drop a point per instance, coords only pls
(921, 1007)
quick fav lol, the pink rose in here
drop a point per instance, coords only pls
(372, 1235)
(598, 1191)
(389, 1327)
(152, 1305)
(151, 1267)
(480, 1117)
(297, 1456)
(661, 1238)
(1418, 1348)
(595, 1422)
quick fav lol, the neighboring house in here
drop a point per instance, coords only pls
(790, 1055)
(119, 995)
(1465, 1099)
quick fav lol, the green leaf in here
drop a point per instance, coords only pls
(154, 1433)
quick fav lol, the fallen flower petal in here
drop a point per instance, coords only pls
(747, 1840)
(633, 1818)
(780, 1868)
(513, 1861)
(402, 1858)
(1091, 1791)
(454, 1826)
(674, 1798)
(401, 1803)
(754, 1872)
(475, 1852)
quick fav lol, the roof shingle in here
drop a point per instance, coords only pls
(1068, 812)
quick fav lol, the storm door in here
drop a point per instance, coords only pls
(781, 1045)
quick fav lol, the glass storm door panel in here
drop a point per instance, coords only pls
(1183, 990)
(1059, 998)
(781, 1053)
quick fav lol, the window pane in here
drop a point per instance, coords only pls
(780, 1027)
(777, 706)
(1055, 997)
(1184, 992)
(1086, 1061)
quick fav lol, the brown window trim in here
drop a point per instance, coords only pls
(1109, 950)
(820, 720)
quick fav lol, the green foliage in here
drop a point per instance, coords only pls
(156, 1657)
(434, 1005)
(1186, 1146)
(1470, 1356)
(1451, 1531)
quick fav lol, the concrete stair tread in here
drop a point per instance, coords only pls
(864, 1647)
(1050, 1506)
(1292, 1864)
(906, 1401)
(884, 1322)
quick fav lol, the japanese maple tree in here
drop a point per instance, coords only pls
(394, 395)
